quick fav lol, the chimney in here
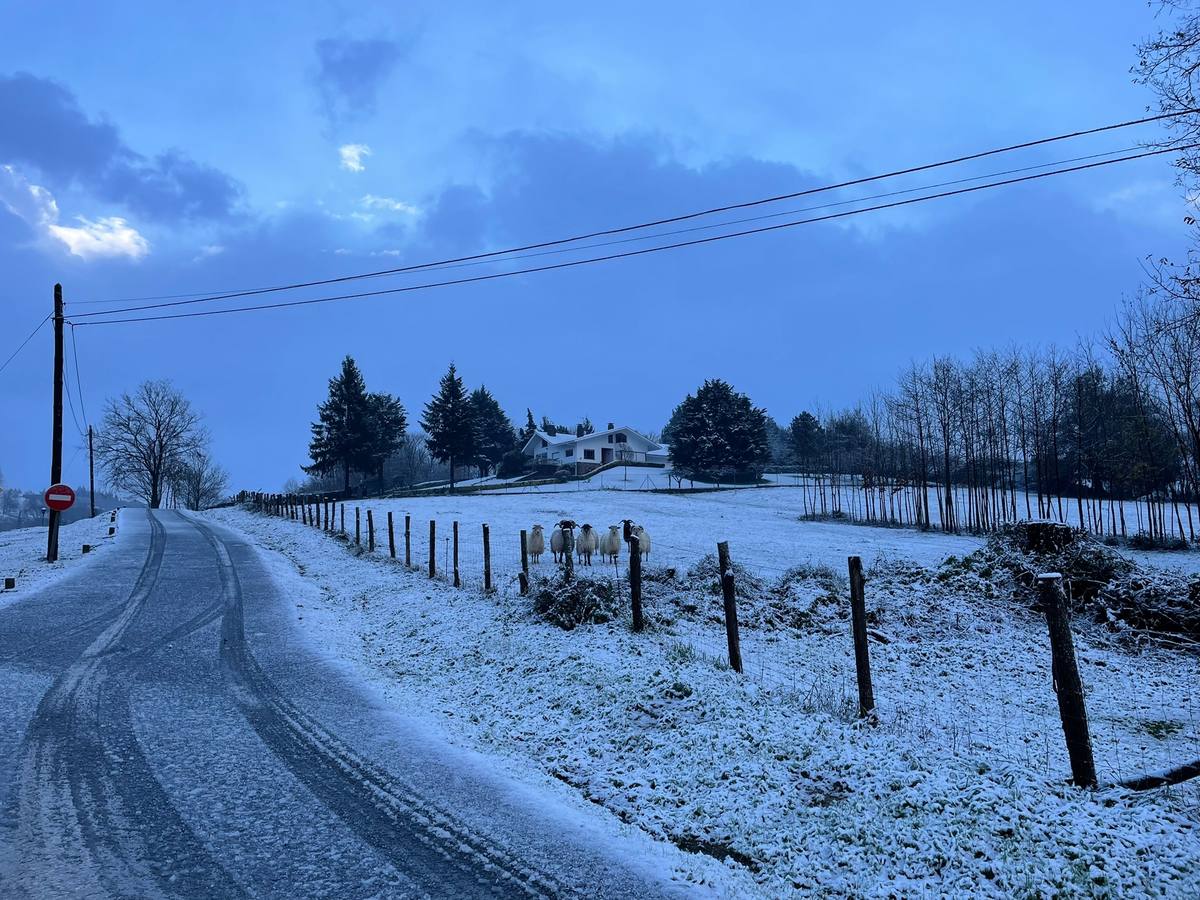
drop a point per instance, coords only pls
(611, 426)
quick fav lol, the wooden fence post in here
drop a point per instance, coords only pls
(370, 532)
(391, 537)
(568, 553)
(408, 541)
(343, 519)
(729, 596)
(1067, 683)
(454, 528)
(432, 548)
(304, 514)
(357, 528)
(858, 625)
(635, 581)
(524, 576)
(487, 560)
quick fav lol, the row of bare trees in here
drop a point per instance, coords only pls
(1095, 436)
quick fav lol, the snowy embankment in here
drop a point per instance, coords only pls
(23, 554)
(959, 790)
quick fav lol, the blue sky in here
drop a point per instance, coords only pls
(234, 145)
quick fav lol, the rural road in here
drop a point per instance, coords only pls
(164, 733)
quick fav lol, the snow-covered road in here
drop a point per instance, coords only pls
(164, 733)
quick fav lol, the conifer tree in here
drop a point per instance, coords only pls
(718, 431)
(530, 426)
(494, 435)
(341, 438)
(388, 424)
(449, 423)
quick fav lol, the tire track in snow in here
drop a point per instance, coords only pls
(420, 840)
(92, 818)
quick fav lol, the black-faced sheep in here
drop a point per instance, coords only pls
(586, 544)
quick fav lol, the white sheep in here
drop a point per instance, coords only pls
(586, 544)
(536, 544)
(556, 543)
(643, 537)
(610, 544)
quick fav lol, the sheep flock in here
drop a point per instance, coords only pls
(586, 541)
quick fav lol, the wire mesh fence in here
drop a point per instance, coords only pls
(975, 681)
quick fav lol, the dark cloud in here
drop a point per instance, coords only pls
(44, 129)
(349, 73)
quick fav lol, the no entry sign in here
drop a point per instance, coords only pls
(59, 497)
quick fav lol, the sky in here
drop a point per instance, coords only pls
(228, 146)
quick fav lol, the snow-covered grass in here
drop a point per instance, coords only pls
(762, 525)
(959, 790)
(23, 554)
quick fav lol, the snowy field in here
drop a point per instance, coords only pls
(959, 790)
(23, 554)
(762, 526)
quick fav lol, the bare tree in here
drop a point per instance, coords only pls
(198, 481)
(145, 437)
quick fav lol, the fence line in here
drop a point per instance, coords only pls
(976, 705)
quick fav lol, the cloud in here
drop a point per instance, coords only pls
(108, 236)
(352, 156)
(350, 72)
(45, 130)
(371, 201)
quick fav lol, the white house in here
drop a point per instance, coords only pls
(593, 450)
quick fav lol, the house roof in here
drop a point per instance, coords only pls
(565, 439)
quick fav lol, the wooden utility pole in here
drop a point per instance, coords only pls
(91, 473)
(56, 440)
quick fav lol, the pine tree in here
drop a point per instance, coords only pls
(585, 427)
(449, 423)
(341, 438)
(548, 427)
(807, 439)
(530, 428)
(388, 422)
(717, 432)
(494, 435)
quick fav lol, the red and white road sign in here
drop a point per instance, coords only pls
(59, 497)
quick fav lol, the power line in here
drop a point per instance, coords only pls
(78, 385)
(642, 252)
(663, 234)
(26, 341)
(651, 224)
(71, 405)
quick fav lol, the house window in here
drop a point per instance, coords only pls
(570, 453)
(620, 437)
(610, 440)
(589, 454)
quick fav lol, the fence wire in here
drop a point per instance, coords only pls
(946, 689)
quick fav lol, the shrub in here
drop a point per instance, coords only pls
(579, 601)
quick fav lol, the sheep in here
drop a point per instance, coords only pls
(643, 537)
(558, 539)
(536, 544)
(586, 545)
(610, 544)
